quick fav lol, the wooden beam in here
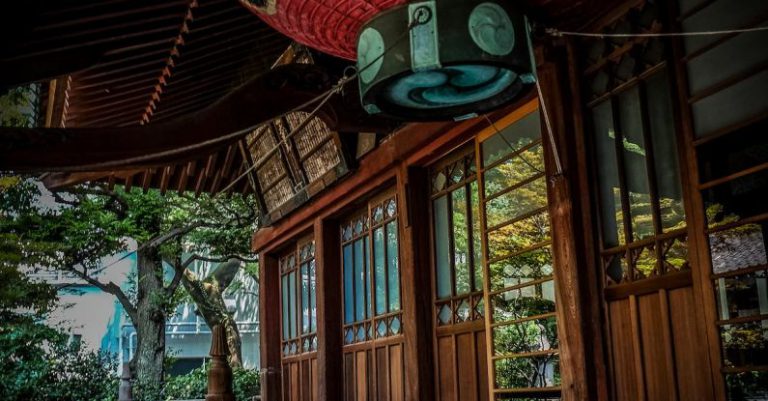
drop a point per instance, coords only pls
(329, 307)
(269, 323)
(191, 136)
(414, 226)
(577, 365)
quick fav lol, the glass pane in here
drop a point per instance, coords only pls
(515, 170)
(349, 300)
(528, 266)
(735, 200)
(745, 344)
(524, 302)
(611, 218)
(292, 302)
(521, 133)
(313, 295)
(368, 273)
(528, 336)
(747, 386)
(662, 128)
(522, 200)
(393, 267)
(633, 148)
(380, 270)
(524, 372)
(518, 236)
(477, 252)
(743, 295)
(285, 317)
(304, 298)
(461, 240)
(442, 244)
(359, 282)
(737, 248)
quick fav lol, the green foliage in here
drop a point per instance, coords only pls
(193, 385)
(37, 364)
(17, 106)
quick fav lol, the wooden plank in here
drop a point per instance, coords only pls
(656, 369)
(635, 340)
(624, 372)
(269, 315)
(446, 379)
(465, 357)
(576, 364)
(329, 320)
(396, 372)
(692, 366)
(698, 243)
(416, 302)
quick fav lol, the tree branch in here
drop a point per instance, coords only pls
(110, 288)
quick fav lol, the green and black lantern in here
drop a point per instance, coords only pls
(446, 59)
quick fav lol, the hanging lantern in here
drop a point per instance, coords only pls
(330, 26)
(445, 59)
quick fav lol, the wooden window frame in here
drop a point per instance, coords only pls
(302, 254)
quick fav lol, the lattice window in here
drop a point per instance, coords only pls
(642, 218)
(456, 239)
(371, 272)
(298, 299)
(293, 167)
(523, 324)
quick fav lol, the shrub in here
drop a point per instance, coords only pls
(194, 385)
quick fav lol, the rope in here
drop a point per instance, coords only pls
(559, 33)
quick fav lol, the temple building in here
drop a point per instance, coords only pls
(575, 211)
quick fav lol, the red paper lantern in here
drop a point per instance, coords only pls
(330, 26)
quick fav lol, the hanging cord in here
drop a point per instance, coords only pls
(559, 33)
(543, 104)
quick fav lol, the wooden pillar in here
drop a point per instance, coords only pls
(578, 312)
(415, 279)
(220, 373)
(269, 325)
(330, 362)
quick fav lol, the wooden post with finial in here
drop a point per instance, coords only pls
(220, 374)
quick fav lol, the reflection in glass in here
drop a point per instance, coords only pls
(521, 133)
(349, 300)
(514, 170)
(608, 177)
(442, 244)
(360, 284)
(313, 295)
(645, 262)
(519, 235)
(662, 130)
(634, 154)
(477, 258)
(284, 292)
(521, 200)
(737, 248)
(525, 302)
(751, 385)
(393, 267)
(292, 303)
(460, 240)
(742, 295)
(305, 298)
(528, 336)
(745, 344)
(531, 265)
(528, 372)
(380, 270)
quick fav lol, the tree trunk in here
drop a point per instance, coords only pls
(148, 360)
(210, 304)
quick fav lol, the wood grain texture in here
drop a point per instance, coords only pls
(269, 315)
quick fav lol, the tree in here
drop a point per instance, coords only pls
(90, 221)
